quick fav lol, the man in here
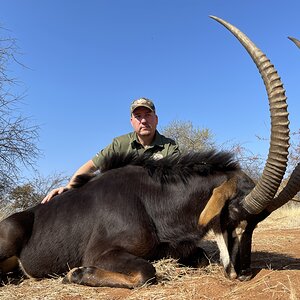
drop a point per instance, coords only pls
(144, 139)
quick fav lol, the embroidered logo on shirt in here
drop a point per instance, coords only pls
(157, 156)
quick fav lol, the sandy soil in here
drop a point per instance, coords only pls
(276, 264)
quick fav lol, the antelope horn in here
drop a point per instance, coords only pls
(293, 185)
(297, 42)
(263, 193)
(288, 192)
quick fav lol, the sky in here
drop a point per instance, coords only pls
(86, 60)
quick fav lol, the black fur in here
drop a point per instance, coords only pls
(138, 208)
(171, 169)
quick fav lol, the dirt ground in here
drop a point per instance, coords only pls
(275, 261)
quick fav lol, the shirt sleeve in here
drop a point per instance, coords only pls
(98, 159)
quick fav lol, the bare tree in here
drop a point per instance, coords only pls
(252, 164)
(18, 138)
(188, 137)
(294, 156)
(32, 192)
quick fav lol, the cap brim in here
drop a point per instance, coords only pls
(141, 105)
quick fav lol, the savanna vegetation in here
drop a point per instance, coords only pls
(19, 150)
(19, 142)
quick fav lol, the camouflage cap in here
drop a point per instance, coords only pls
(142, 102)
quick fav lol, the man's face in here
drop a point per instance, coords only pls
(144, 121)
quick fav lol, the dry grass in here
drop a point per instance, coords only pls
(174, 282)
(277, 279)
(284, 217)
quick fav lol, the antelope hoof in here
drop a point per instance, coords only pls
(230, 272)
(245, 275)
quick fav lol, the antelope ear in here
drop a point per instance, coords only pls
(263, 193)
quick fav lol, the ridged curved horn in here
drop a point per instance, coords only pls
(297, 42)
(293, 185)
(288, 192)
(267, 186)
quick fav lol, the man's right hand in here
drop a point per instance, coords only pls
(53, 193)
(88, 167)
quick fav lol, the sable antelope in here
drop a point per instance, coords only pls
(109, 227)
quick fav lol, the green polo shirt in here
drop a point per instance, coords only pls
(159, 148)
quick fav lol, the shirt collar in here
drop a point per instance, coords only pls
(157, 141)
